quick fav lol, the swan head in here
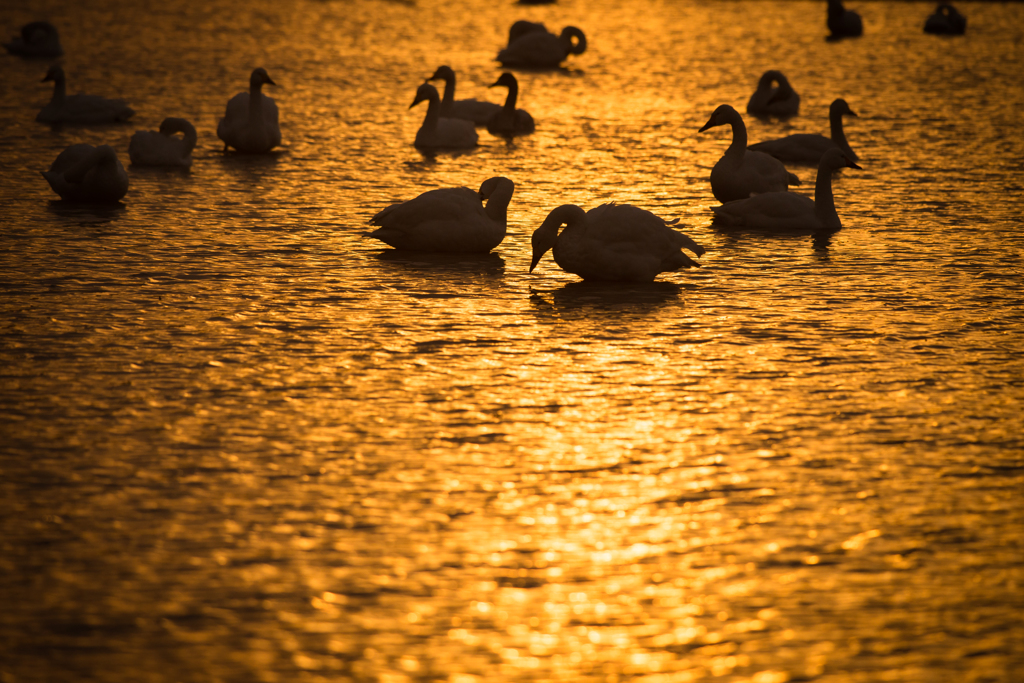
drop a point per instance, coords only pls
(259, 77)
(723, 115)
(491, 184)
(54, 73)
(546, 235)
(506, 79)
(839, 107)
(425, 92)
(38, 32)
(443, 73)
(570, 32)
(836, 158)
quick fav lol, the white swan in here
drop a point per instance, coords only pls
(946, 21)
(781, 101)
(612, 243)
(250, 120)
(477, 111)
(508, 120)
(152, 148)
(807, 148)
(64, 108)
(37, 39)
(789, 210)
(740, 172)
(449, 219)
(439, 132)
(539, 48)
(83, 173)
(842, 23)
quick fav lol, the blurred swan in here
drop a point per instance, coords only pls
(437, 131)
(522, 27)
(64, 108)
(449, 219)
(612, 243)
(781, 101)
(477, 111)
(843, 23)
(946, 21)
(807, 148)
(789, 210)
(250, 120)
(152, 148)
(509, 120)
(741, 172)
(83, 173)
(538, 48)
(37, 39)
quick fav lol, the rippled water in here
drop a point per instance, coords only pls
(242, 442)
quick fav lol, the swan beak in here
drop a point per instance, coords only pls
(706, 125)
(270, 81)
(850, 164)
(536, 260)
(852, 113)
(494, 85)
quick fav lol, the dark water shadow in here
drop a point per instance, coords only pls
(821, 240)
(543, 70)
(436, 264)
(86, 213)
(430, 154)
(608, 296)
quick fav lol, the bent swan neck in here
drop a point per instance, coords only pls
(497, 204)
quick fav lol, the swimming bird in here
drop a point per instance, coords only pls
(83, 173)
(448, 219)
(540, 49)
(842, 23)
(437, 131)
(612, 243)
(781, 101)
(509, 120)
(807, 148)
(153, 148)
(946, 21)
(741, 172)
(37, 39)
(789, 210)
(64, 108)
(477, 111)
(250, 120)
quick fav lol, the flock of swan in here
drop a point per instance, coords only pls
(612, 242)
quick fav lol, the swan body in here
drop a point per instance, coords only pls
(64, 108)
(509, 120)
(781, 100)
(448, 220)
(162, 148)
(250, 119)
(538, 48)
(789, 210)
(477, 111)
(612, 243)
(83, 173)
(807, 148)
(842, 23)
(437, 131)
(741, 172)
(522, 27)
(946, 21)
(37, 39)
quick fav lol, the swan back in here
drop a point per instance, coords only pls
(842, 22)
(84, 173)
(946, 21)
(541, 49)
(250, 122)
(522, 27)
(151, 148)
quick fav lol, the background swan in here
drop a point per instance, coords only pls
(807, 148)
(449, 219)
(64, 108)
(946, 20)
(477, 111)
(437, 131)
(843, 23)
(612, 243)
(83, 173)
(539, 48)
(522, 27)
(153, 148)
(250, 120)
(509, 120)
(741, 172)
(789, 210)
(774, 100)
(37, 39)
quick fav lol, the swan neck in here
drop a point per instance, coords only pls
(433, 113)
(449, 93)
(60, 88)
(190, 136)
(497, 203)
(835, 121)
(739, 135)
(824, 201)
(513, 94)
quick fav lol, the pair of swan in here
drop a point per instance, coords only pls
(841, 22)
(770, 99)
(477, 111)
(37, 39)
(946, 21)
(532, 45)
(503, 120)
(807, 148)
(250, 120)
(88, 109)
(162, 148)
(83, 173)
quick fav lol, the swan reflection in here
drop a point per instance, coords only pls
(607, 295)
(438, 265)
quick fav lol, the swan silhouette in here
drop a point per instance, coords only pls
(612, 243)
(508, 120)
(83, 173)
(807, 148)
(250, 120)
(153, 148)
(781, 101)
(439, 132)
(477, 111)
(522, 27)
(789, 210)
(37, 39)
(842, 23)
(946, 21)
(538, 48)
(448, 220)
(64, 108)
(741, 172)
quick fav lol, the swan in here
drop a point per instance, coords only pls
(509, 120)
(522, 27)
(946, 20)
(741, 172)
(83, 173)
(781, 101)
(789, 210)
(437, 131)
(152, 148)
(807, 148)
(477, 111)
(37, 39)
(612, 243)
(843, 23)
(539, 48)
(64, 108)
(250, 120)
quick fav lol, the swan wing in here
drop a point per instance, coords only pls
(769, 211)
(537, 48)
(477, 111)
(450, 203)
(805, 148)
